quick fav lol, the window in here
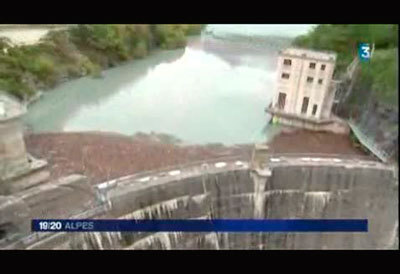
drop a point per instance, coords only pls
(310, 79)
(320, 81)
(314, 109)
(285, 76)
(287, 62)
(323, 66)
(281, 100)
(312, 65)
(305, 105)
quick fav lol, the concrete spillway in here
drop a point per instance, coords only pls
(286, 188)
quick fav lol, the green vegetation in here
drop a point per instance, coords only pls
(357, 144)
(82, 50)
(378, 75)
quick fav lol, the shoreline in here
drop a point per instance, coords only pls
(42, 92)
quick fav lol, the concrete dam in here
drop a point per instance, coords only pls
(281, 186)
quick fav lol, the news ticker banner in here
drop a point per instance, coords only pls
(208, 225)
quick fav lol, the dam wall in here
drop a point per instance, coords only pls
(296, 188)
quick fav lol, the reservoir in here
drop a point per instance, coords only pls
(212, 91)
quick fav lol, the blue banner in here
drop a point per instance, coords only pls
(213, 225)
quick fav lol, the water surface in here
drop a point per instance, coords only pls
(213, 91)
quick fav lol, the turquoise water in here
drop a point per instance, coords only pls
(210, 92)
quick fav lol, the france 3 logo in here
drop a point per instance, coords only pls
(364, 51)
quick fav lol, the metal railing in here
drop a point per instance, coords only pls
(318, 155)
(368, 142)
(134, 176)
(352, 68)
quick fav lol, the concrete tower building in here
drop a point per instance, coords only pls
(13, 157)
(305, 90)
(18, 169)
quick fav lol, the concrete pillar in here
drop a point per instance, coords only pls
(13, 156)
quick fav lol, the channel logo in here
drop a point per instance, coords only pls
(364, 52)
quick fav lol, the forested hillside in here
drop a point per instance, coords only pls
(82, 50)
(380, 73)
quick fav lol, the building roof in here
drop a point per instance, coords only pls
(310, 54)
(10, 107)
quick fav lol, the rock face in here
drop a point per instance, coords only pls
(377, 120)
(13, 157)
(381, 125)
(18, 170)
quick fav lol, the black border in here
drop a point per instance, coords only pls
(155, 12)
(195, 12)
(198, 261)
